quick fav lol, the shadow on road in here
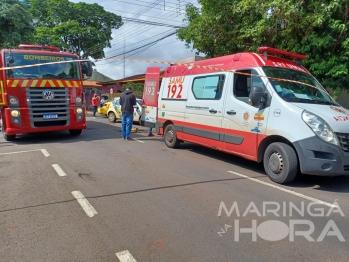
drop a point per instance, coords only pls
(124, 193)
(331, 184)
(338, 184)
(101, 129)
(97, 129)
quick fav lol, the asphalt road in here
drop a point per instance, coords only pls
(97, 197)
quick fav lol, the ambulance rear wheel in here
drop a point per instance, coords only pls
(170, 136)
(280, 163)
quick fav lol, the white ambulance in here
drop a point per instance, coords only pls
(263, 106)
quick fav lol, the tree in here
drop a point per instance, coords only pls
(15, 23)
(137, 88)
(316, 29)
(84, 27)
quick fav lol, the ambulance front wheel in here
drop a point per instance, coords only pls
(170, 136)
(280, 163)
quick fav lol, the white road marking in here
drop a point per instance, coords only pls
(59, 170)
(285, 190)
(19, 152)
(125, 256)
(139, 141)
(44, 151)
(86, 206)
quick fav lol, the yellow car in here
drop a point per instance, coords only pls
(103, 108)
(114, 111)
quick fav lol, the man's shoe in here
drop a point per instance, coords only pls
(150, 134)
(130, 139)
(123, 138)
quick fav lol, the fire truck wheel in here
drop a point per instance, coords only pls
(170, 136)
(4, 135)
(280, 163)
(112, 117)
(75, 132)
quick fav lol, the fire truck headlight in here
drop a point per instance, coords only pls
(13, 101)
(14, 113)
(78, 100)
(79, 111)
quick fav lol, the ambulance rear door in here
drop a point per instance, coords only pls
(150, 97)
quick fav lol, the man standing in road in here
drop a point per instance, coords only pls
(127, 101)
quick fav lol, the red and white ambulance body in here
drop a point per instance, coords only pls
(260, 106)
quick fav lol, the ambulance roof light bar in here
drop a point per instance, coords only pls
(39, 47)
(282, 53)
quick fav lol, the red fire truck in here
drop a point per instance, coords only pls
(36, 96)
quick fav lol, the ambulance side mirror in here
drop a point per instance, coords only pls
(256, 96)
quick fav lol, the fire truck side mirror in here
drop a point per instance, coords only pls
(10, 60)
(86, 68)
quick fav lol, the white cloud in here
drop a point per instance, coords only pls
(133, 35)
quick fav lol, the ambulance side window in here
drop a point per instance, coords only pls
(243, 81)
(208, 87)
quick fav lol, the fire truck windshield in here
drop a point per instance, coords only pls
(61, 70)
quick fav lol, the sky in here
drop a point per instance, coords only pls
(133, 35)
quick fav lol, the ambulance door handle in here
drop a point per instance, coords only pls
(231, 112)
(212, 111)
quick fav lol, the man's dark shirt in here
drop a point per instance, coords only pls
(127, 101)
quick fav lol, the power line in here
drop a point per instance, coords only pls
(140, 12)
(148, 22)
(144, 40)
(154, 42)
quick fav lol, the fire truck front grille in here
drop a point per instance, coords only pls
(344, 141)
(48, 107)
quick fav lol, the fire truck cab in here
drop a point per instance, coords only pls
(41, 90)
(262, 106)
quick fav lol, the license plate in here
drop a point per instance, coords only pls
(50, 116)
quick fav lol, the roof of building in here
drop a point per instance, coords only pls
(98, 77)
(141, 77)
(90, 83)
(135, 78)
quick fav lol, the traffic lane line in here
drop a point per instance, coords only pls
(125, 256)
(44, 151)
(59, 170)
(85, 204)
(285, 190)
(139, 141)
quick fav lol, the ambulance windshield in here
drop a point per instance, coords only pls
(309, 92)
(53, 71)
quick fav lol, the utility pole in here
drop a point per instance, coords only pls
(124, 57)
(79, 49)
